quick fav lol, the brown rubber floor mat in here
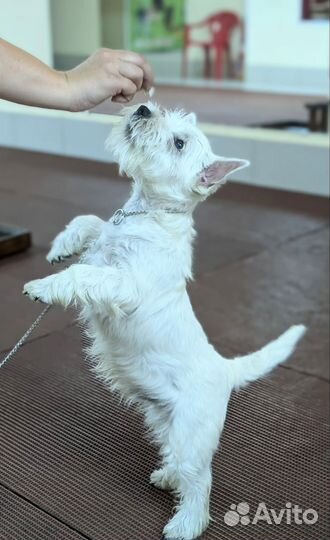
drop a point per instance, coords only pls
(81, 459)
(20, 520)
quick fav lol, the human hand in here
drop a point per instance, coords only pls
(107, 74)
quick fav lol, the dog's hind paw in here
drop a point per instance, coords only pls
(159, 478)
(185, 526)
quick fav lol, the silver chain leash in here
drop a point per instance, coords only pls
(23, 339)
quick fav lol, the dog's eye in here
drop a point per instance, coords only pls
(179, 143)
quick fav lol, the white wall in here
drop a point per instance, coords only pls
(76, 26)
(26, 23)
(279, 42)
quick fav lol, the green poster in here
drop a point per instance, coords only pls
(156, 25)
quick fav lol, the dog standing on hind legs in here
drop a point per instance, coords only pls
(130, 285)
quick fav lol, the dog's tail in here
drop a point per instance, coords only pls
(251, 367)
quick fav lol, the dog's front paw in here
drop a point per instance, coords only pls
(40, 290)
(55, 258)
(59, 252)
(185, 526)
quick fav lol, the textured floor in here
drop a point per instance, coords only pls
(74, 463)
(232, 107)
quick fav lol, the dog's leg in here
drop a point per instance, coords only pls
(163, 479)
(192, 516)
(77, 235)
(85, 284)
(165, 476)
(192, 442)
(158, 420)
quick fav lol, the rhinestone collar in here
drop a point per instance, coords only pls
(121, 214)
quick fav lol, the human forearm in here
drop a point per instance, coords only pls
(25, 79)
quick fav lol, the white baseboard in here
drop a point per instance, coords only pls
(282, 160)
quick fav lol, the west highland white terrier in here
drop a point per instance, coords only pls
(130, 285)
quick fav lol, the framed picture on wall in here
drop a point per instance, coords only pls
(316, 10)
(156, 25)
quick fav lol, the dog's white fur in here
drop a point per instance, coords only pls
(131, 287)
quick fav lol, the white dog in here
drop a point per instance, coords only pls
(131, 287)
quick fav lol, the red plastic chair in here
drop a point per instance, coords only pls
(220, 26)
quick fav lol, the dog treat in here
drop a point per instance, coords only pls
(151, 92)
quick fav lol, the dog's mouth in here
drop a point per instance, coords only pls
(132, 126)
(129, 131)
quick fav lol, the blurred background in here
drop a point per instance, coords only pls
(274, 44)
(277, 44)
(236, 63)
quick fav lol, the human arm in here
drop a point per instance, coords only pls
(105, 74)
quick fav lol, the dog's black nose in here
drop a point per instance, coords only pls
(143, 111)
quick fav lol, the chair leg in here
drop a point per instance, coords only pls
(312, 120)
(184, 63)
(207, 62)
(219, 63)
(324, 119)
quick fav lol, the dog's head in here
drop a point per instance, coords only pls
(168, 154)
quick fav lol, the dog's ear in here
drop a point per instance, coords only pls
(215, 175)
(191, 118)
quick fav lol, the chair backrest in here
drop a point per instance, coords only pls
(221, 26)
